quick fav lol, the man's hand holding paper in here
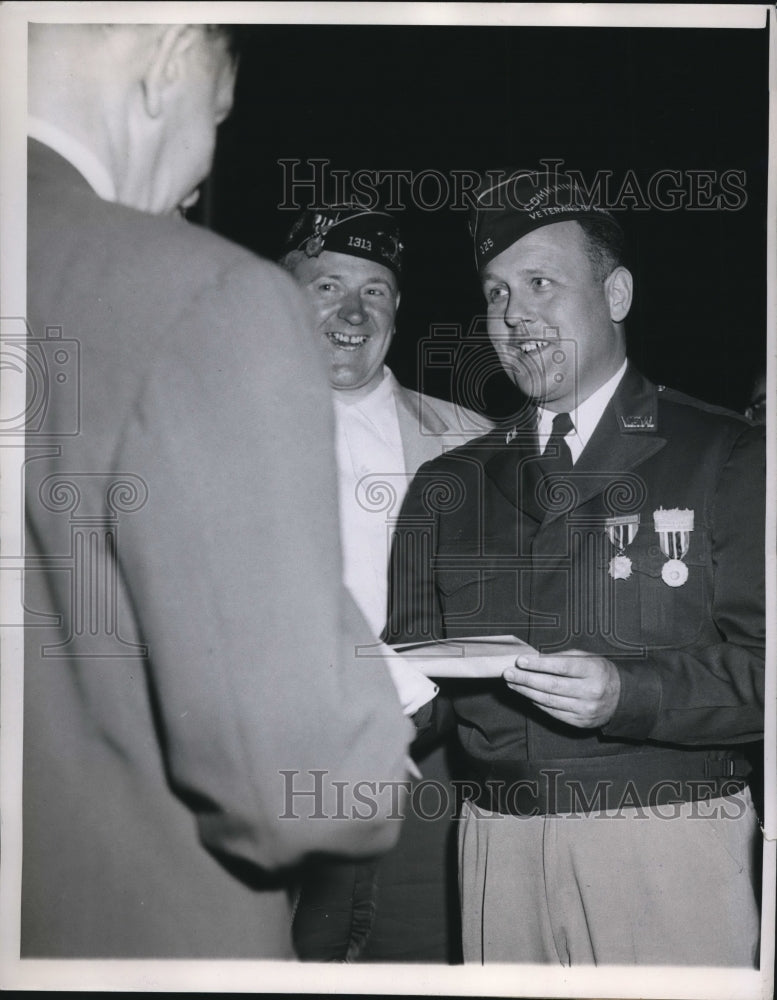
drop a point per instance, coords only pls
(473, 657)
(573, 686)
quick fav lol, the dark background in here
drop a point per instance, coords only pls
(464, 98)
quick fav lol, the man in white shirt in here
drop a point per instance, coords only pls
(618, 531)
(348, 259)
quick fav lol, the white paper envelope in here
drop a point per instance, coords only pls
(468, 657)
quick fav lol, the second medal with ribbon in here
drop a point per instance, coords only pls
(674, 529)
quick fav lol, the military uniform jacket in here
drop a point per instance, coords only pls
(481, 550)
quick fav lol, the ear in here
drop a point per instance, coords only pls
(166, 65)
(618, 289)
(397, 299)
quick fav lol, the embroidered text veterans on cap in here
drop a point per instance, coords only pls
(503, 212)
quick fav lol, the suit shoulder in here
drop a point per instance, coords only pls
(155, 251)
(220, 290)
(209, 256)
(169, 289)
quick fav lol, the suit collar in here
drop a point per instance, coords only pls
(420, 427)
(76, 153)
(418, 411)
(44, 163)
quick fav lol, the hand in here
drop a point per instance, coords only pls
(572, 686)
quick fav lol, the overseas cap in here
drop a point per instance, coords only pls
(504, 211)
(350, 229)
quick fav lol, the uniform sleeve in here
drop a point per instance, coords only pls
(714, 693)
(277, 716)
(413, 605)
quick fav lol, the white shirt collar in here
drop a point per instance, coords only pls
(585, 417)
(76, 154)
(380, 396)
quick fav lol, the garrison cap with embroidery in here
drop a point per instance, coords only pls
(504, 211)
(351, 229)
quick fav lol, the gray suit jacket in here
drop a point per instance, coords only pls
(178, 662)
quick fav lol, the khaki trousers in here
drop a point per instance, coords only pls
(668, 885)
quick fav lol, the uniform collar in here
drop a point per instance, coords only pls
(585, 416)
(626, 435)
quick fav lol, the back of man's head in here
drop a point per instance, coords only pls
(145, 100)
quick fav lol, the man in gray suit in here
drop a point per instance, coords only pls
(349, 261)
(187, 642)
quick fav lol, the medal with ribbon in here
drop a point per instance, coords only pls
(621, 531)
(674, 529)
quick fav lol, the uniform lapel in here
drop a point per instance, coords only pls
(513, 466)
(625, 437)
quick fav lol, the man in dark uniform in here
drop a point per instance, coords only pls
(618, 531)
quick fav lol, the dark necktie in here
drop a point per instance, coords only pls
(557, 457)
(538, 475)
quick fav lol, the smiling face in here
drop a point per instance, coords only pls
(355, 302)
(553, 323)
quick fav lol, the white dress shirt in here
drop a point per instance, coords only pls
(371, 466)
(373, 481)
(585, 417)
